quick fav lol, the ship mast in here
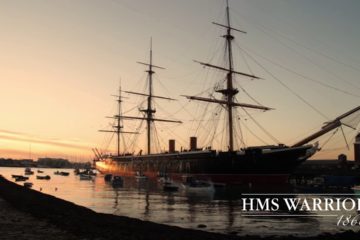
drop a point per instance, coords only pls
(118, 125)
(150, 111)
(229, 92)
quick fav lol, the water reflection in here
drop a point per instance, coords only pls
(220, 211)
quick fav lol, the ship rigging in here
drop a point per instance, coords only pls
(269, 164)
(229, 92)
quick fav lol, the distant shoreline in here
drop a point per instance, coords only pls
(43, 163)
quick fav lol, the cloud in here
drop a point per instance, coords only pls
(13, 152)
(27, 138)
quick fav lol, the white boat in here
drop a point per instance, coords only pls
(193, 185)
(162, 179)
(85, 177)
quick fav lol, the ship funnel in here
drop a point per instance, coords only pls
(357, 149)
(171, 146)
(193, 143)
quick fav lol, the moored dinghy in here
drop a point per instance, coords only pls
(28, 171)
(61, 173)
(86, 177)
(117, 181)
(193, 185)
(108, 177)
(20, 178)
(47, 177)
(28, 184)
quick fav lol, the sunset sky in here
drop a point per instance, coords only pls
(61, 61)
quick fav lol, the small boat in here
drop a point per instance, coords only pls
(140, 176)
(61, 173)
(90, 172)
(76, 171)
(21, 178)
(64, 173)
(161, 180)
(108, 177)
(117, 181)
(47, 177)
(16, 176)
(85, 177)
(28, 184)
(28, 171)
(39, 171)
(193, 185)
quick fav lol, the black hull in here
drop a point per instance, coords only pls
(267, 165)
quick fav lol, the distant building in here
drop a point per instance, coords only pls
(53, 162)
(27, 162)
(8, 162)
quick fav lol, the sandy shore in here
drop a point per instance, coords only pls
(17, 225)
(28, 214)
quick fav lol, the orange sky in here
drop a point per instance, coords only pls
(61, 60)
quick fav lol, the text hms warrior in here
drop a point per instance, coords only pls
(301, 206)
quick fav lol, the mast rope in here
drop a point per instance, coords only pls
(156, 137)
(276, 34)
(205, 110)
(337, 143)
(252, 133)
(133, 144)
(252, 98)
(215, 121)
(135, 107)
(238, 127)
(171, 133)
(331, 136)
(289, 89)
(260, 126)
(107, 145)
(302, 75)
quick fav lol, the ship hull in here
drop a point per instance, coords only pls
(254, 166)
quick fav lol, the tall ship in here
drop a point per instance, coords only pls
(256, 165)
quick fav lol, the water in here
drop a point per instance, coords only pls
(220, 212)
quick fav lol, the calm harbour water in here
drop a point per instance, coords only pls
(220, 212)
